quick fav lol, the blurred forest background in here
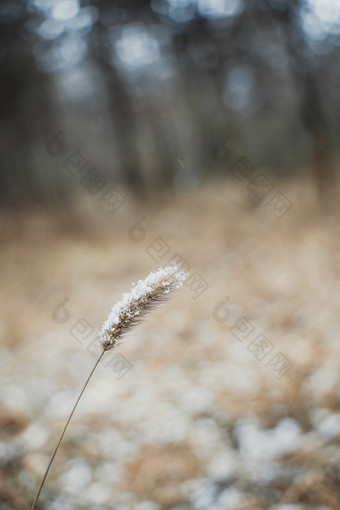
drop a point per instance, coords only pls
(206, 131)
(163, 94)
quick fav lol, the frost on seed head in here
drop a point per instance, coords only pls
(142, 297)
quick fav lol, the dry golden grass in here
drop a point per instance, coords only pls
(170, 431)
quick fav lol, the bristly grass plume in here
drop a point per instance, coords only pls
(143, 296)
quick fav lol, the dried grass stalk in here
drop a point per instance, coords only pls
(143, 297)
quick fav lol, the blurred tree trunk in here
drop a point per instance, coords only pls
(316, 124)
(122, 116)
(311, 110)
(26, 111)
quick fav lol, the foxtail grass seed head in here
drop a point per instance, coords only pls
(143, 296)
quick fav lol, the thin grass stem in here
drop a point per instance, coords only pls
(64, 430)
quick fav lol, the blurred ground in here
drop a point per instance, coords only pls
(195, 420)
